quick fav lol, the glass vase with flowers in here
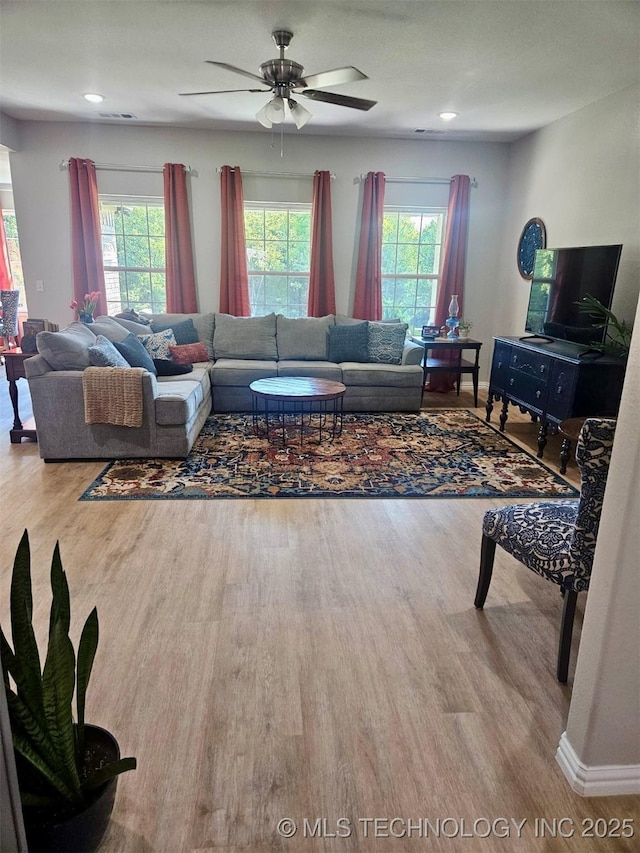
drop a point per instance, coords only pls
(86, 309)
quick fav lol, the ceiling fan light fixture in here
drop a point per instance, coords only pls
(274, 110)
(262, 117)
(299, 114)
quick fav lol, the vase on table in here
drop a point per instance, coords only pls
(452, 320)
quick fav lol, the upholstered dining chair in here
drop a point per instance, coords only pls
(555, 539)
(9, 300)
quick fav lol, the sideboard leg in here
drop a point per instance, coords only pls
(565, 449)
(489, 406)
(504, 413)
(542, 439)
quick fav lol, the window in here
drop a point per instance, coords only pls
(133, 253)
(13, 253)
(278, 257)
(411, 258)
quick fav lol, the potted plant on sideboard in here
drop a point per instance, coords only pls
(67, 771)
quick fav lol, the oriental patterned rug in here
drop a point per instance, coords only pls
(438, 454)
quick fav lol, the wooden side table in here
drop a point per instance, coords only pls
(14, 362)
(458, 365)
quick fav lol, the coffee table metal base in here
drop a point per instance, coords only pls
(297, 408)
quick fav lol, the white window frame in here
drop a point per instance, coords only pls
(262, 306)
(413, 317)
(115, 302)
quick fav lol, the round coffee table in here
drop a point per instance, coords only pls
(297, 405)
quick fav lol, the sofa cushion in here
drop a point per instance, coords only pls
(138, 328)
(386, 342)
(189, 353)
(67, 349)
(239, 371)
(245, 337)
(104, 354)
(177, 400)
(133, 350)
(381, 375)
(184, 332)
(157, 344)
(348, 342)
(343, 320)
(303, 337)
(111, 328)
(314, 369)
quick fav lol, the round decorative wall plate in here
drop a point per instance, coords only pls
(534, 236)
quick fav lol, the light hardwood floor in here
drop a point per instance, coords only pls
(311, 659)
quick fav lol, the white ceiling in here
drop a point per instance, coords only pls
(506, 67)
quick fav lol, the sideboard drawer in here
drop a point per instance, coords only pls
(562, 390)
(500, 367)
(528, 389)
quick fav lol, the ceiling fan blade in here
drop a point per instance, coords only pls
(221, 92)
(237, 71)
(348, 74)
(340, 100)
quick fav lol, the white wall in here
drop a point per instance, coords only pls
(42, 197)
(581, 176)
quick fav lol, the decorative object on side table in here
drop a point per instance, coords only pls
(533, 236)
(464, 327)
(86, 310)
(452, 321)
(67, 771)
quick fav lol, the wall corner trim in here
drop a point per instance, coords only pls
(598, 781)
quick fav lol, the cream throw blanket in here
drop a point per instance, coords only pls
(113, 395)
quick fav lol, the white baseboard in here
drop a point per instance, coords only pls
(598, 781)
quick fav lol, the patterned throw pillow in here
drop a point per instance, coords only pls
(104, 354)
(135, 353)
(189, 353)
(386, 342)
(348, 342)
(157, 344)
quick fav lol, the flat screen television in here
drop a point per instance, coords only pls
(561, 278)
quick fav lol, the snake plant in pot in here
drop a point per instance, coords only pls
(67, 770)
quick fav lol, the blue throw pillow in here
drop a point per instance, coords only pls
(135, 353)
(184, 332)
(348, 343)
(104, 354)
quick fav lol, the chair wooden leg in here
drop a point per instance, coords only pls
(566, 628)
(487, 553)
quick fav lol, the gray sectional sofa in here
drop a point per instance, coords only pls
(239, 350)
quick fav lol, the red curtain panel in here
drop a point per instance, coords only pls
(453, 267)
(234, 281)
(322, 293)
(5, 272)
(367, 303)
(181, 284)
(86, 241)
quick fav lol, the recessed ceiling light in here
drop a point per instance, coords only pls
(447, 116)
(94, 98)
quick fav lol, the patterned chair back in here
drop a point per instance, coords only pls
(593, 455)
(9, 322)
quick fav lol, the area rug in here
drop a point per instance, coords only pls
(438, 454)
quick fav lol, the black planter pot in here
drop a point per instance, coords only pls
(82, 832)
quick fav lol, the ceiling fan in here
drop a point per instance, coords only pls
(284, 77)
